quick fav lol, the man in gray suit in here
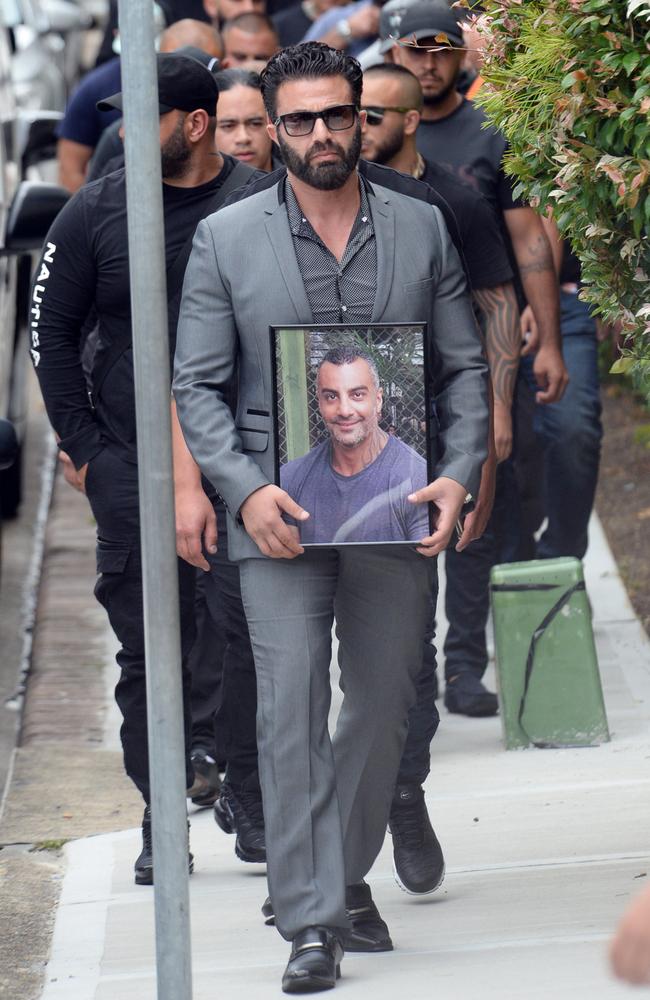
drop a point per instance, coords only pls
(323, 246)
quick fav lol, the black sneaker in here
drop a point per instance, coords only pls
(207, 783)
(240, 811)
(466, 695)
(144, 863)
(418, 862)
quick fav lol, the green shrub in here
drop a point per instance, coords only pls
(568, 82)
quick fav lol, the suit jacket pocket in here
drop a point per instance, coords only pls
(253, 440)
(419, 295)
(424, 285)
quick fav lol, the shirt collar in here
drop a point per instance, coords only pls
(300, 226)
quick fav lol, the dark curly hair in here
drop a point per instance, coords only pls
(308, 60)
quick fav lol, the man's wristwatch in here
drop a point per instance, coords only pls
(344, 30)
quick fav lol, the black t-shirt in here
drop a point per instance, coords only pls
(274, 7)
(292, 25)
(108, 148)
(485, 253)
(85, 266)
(461, 144)
(474, 154)
(177, 10)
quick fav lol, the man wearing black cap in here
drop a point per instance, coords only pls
(84, 267)
(187, 38)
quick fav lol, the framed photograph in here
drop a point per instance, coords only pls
(351, 429)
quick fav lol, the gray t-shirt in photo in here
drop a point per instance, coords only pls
(369, 506)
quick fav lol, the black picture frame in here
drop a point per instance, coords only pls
(400, 352)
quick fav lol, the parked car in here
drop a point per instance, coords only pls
(27, 209)
(47, 39)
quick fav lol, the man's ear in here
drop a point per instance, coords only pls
(196, 125)
(211, 7)
(272, 132)
(411, 122)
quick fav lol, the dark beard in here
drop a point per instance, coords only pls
(324, 176)
(431, 100)
(391, 147)
(175, 154)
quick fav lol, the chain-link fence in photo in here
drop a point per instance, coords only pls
(398, 355)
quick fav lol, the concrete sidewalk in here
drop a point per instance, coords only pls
(544, 849)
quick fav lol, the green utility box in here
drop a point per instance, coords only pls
(548, 681)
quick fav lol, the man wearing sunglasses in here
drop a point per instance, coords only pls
(328, 247)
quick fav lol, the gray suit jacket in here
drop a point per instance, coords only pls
(243, 276)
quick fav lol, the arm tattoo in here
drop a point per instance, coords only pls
(498, 306)
(538, 258)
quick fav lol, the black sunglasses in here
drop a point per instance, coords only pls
(375, 115)
(336, 119)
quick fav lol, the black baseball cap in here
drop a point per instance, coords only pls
(184, 84)
(212, 63)
(390, 20)
(428, 19)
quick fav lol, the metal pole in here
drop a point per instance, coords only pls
(159, 567)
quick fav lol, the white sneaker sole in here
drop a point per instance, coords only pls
(412, 892)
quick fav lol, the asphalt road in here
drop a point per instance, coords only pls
(19, 575)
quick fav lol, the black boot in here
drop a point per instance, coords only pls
(144, 863)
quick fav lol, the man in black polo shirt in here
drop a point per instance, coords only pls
(85, 267)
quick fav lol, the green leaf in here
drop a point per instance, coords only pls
(621, 366)
(568, 81)
(631, 61)
(607, 132)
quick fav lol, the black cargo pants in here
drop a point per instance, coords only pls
(112, 489)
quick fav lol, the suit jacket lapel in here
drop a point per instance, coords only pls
(279, 234)
(383, 217)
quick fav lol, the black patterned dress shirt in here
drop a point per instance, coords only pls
(338, 292)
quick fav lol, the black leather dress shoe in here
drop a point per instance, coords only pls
(315, 962)
(367, 931)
